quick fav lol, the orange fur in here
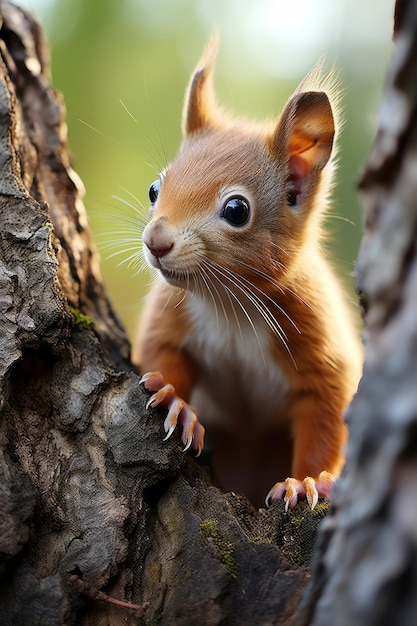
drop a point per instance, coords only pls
(276, 364)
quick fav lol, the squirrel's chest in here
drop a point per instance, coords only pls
(239, 379)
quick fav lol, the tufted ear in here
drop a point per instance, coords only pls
(303, 138)
(200, 107)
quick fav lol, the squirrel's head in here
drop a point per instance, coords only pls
(242, 196)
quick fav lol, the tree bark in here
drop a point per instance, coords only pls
(101, 522)
(365, 568)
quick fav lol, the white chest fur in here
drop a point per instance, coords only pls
(240, 381)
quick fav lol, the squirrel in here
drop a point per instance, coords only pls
(246, 321)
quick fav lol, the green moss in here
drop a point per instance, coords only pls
(209, 527)
(81, 321)
(299, 532)
(260, 538)
(225, 549)
(322, 508)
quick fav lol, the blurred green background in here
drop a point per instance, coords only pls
(123, 65)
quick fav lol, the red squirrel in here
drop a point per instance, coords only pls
(246, 326)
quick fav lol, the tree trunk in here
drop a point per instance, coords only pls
(365, 568)
(101, 522)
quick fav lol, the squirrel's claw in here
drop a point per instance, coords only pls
(169, 433)
(178, 411)
(291, 489)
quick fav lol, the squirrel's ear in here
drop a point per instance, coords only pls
(303, 137)
(200, 107)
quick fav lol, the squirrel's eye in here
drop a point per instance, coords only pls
(154, 191)
(294, 191)
(291, 198)
(236, 211)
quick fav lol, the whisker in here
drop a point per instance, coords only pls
(139, 210)
(273, 282)
(100, 132)
(117, 250)
(124, 241)
(184, 295)
(126, 234)
(115, 239)
(160, 136)
(283, 250)
(134, 261)
(135, 198)
(156, 163)
(251, 286)
(260, 306)
(231, 295)
(246, 290)
(120, 215)
(304, 253)
(253, 269)
(153, 164)
(341, 218)
(207, 268)
(210, 285)
(214, 278)
(170, 295)
(304, 302)
(128, 112)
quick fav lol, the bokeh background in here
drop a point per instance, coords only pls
(123, 65)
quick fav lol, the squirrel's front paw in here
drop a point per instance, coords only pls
(178, 411)
(311, 488)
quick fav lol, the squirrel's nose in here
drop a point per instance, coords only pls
(157, 249)
(159, 237)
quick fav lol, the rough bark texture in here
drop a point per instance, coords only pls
(365, 570)
(94, 507)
